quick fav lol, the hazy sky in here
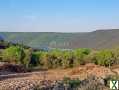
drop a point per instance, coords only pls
(58, 15)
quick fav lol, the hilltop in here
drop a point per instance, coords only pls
(98, 39)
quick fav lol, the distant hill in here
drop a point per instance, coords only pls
(97, 39)
(1, 37)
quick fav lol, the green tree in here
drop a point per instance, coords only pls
(79, 55)
(27, 59)
(104, 57)
(116, 56)
(13, 54)
(55, 58)
(67, 59)
(45, 60)
(35, 58)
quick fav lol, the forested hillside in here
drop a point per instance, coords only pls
(97, 39)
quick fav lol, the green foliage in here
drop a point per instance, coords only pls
(27, 59)
(63, 40)
(45, 60)
(35, 58)
(55, 58)
(79, 55)
(104, 58)
(73, 83)
(13, 54)
(116, 56)
(109, 78)
(66, 80)
(67, 59)
(42, 39)
(58, 58)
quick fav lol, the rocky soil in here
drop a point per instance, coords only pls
(18, 84)
(32, 80)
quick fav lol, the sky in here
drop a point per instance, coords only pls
(58, 15)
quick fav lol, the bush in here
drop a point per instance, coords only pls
(116, 56)
(55, 58)
(109, 78)
(45, 60)
(72, 83)
(13, 54)
(67, 59)
(27, 59)
(79, 55)
(90, 58)
(104, 58)
(35, 58)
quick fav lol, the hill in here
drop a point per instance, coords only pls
(97, 39)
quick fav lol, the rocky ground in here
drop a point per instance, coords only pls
(32, 80)
(18, 84)
(91, 83)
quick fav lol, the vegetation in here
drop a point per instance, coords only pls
(58, 58)
(100, 39)
(20, 55)
(104, 58)
(109, 78)
(73, 83)
(90, 83)
(79, 55)
(13, 54)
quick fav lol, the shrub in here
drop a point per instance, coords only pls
(116, 56)
(109, 78)
(35, 58)
(45, 60)
(79, 55)
(55, 57)
(13, 54)
(67, 59)
(72, 83)
(104, 58)
(27, 59)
